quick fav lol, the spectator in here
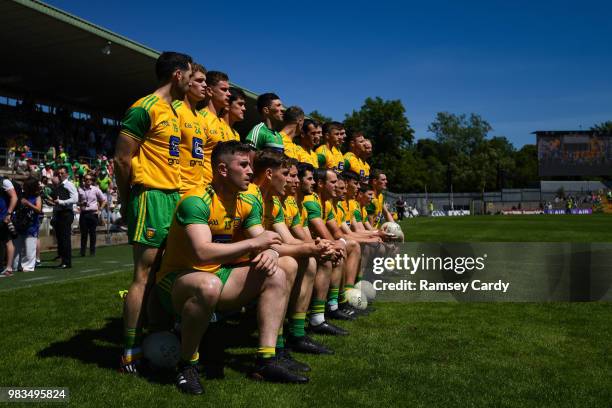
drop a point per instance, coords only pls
(400, 206)
(8, 202)
(63, 216)
(91, 200)
(22, 166)
(27, 223)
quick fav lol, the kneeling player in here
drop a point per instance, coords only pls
(209, 265)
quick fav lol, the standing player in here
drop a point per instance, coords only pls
(353, 158)
(219, 257)
(191, 122)
(330, 156)
(377, 210)
(292, 127)
(148, 180)
(264, 134)
(215, 129)
(235, 112)
(310, 137)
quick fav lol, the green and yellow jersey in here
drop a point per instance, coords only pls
(350, 208)
(262, 136)
(272, 212)
(227, 222)
(291, 149)
(155, 124)
(291, 212)
(191, 148)
(330, 158)
(375, 208)
(355, 164)
(215, 131)
(314, 208)
(307, 156)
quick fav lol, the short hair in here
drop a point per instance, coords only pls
(269, 158)
(170, 61)
(349, 175)
(364, 187)
(291, 161)
(321, 174)
(329, 126)
(195, 67)
(303, 168)
(228, 148)
(214, 77)
(354, 135)
(235, 94)
(265, 100)
(63, 166)
(308, 122)
(375, 174)
(293, 114)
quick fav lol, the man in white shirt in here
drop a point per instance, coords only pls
(63, 216)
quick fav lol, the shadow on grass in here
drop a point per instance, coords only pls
(103, 347)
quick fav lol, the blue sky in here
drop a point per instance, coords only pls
(521, 65)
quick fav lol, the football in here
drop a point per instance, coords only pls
(357, 299)
(162, 349)
(367, 289)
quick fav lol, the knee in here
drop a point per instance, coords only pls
(353, 247)
(208, 291)
(311, 268)
(290, 267)
(278, 280)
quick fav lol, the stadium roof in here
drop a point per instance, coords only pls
(573, 132)
(55, 56)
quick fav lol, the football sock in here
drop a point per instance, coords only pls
(266, 352)
(296, 324)
(346, 287)
(317, 312)
(132, 344)
(280, 340)
(332, 298)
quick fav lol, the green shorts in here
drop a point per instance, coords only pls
(149, 215)
(164, 286)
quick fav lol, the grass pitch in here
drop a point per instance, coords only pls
(510, 228)
(64, 330)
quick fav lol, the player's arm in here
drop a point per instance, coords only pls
(300, 233)
(125, 149)
(207, 251)
(12, 201)
(388, 214)
(362, 237)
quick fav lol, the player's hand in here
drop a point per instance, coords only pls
(340, 248)
(386, 236)
(266, 262)
(265, 240)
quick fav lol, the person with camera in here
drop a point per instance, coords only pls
(27, 222)
(8, 202)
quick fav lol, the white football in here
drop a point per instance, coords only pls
(356, 299)
(367, 289)
(395, 229)
(162, 349)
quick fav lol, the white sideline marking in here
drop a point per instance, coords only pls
(36, 279)
(111, 262)
(90, 270)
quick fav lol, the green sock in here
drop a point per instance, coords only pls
(280, 340)
(296, 324)
(317, 311)
(359, 278)
(346, 287)
(332, 298)
(266, 352)
(131, 341)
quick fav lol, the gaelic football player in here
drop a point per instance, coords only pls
(329, 154)
(264, 134)
(148, 180)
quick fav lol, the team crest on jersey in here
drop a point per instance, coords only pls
(150, 233)
(237, 221)
(196, 148)
(341, 166)
(173, 145)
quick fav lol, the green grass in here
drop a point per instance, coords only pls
(65, 330)
(510, 228)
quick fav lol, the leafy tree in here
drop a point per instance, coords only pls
(316, 115)
(603, 126)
